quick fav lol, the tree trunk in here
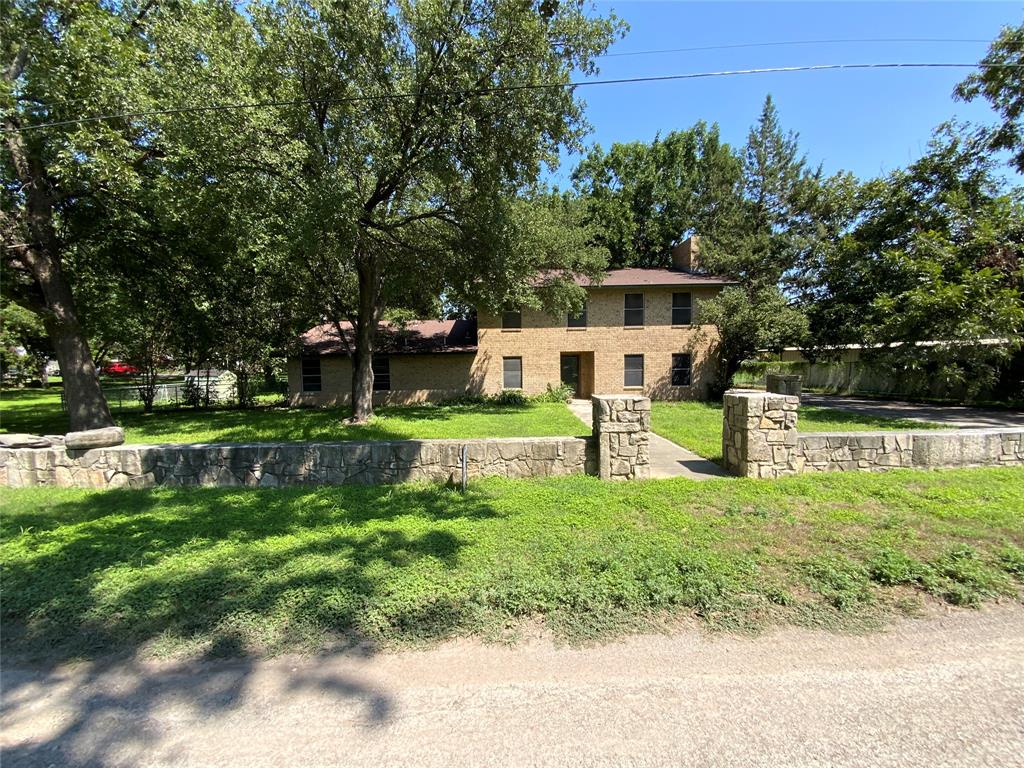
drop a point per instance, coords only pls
(87, 407)
(366, 334)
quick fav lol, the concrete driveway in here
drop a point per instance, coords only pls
(945, 691)
(955, 416)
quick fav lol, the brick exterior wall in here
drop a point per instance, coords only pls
(603, 345)
(414, 379)
(541, 341)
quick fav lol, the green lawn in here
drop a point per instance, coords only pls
(698, 426)
(39, 413)
(229, 571)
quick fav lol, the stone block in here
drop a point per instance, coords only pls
(813, 442)
(23, 440)
(94, 438)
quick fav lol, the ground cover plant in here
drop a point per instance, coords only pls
(697, 426)
(172, 571)
(40, 413)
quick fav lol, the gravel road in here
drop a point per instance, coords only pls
(947, 690)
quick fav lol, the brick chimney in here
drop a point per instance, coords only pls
(686, 255)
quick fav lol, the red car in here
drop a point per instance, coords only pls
(120, 369)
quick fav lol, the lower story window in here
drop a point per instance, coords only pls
(381, 373)
(681, 370)
(634, 371)
(512, 372)
(311, 381)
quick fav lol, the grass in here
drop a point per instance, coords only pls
(698, 426)
(40, 413)
(229, 571)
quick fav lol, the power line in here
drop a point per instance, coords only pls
(730, 46)
(512, 88)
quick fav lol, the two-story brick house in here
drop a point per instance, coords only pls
(639, 332)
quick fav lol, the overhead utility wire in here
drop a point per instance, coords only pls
(730, 46)
(513, 88)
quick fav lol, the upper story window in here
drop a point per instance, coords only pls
(681, 370)
(577, 321)
(512, 318)
(381, 373)
(682, 308)
(512, 373)
(633, 309)
(311, 381)
(633, 367)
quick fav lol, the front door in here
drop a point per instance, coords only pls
(571, 373)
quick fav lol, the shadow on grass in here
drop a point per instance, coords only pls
(285, 424)
(219, 573)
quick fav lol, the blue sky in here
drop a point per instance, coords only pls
(868, 122)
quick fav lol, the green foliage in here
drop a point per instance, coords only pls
(21, 327)
(748, 320)
(514, 397)
(933, 257)
(842, 582)
(563, 393)
(177, 571)
(890, 566)
(1000, 83)
(642, 198)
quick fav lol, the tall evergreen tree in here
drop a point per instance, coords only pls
(769, 231)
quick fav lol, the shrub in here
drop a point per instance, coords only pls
(563, 393)
(510, 397)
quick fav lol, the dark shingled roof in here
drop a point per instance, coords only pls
(636, 276)
(418, 337)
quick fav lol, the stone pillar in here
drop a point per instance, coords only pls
(622, 428)
(783, 383)
(759, 433)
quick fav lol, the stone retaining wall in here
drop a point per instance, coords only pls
(760, 439)
(622, 428)
(758, 433)
(782, 383)
(277, 464)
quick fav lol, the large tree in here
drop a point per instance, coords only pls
(778, 220)
(643, 198)
(415, 128)
(931, 270)
(64, 59)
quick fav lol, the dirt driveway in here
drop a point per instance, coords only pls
(946, 691)
(955, 416)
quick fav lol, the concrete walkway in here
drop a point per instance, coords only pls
(667, 458)
(954, 416)
(942, 691)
